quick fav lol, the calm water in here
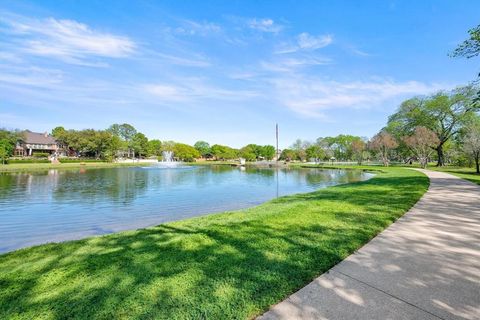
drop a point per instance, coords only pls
(61, 205)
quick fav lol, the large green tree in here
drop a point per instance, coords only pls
(204, 148)
(9, 140)
(249, 152)
(126, 132)
(185, 152)
(154, 148)
(4, 153)
(443, 113)
(315, 152)
(288, 155)
(58, 131)
(340, 146)
(221, 152)
(268, 152)
(139, 144)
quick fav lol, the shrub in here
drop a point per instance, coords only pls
(78, 160)
(12, 161)
(40, 154)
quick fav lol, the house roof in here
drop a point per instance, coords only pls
(38, 138)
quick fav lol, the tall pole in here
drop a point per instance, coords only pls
(276, 134)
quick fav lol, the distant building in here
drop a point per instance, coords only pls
(39, 142)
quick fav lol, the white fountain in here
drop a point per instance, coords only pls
(168, 161)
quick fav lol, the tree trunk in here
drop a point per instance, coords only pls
(441, 160)
(477, 164)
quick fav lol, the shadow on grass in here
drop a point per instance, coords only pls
(231, 265)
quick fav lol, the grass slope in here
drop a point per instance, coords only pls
(461, 172)
(232, 265)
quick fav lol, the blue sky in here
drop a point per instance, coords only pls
(226, 71)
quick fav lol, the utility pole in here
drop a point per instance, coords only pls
(276, 134)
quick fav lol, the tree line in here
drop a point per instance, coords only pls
(124, 141)
(444, 127)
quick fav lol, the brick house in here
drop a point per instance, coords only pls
(39, 142)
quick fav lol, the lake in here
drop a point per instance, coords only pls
(59, 205)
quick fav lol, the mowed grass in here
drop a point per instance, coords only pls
(232, 265)
(461, 172)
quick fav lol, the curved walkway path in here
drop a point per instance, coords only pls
(424, 266)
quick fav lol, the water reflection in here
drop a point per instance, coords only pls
(56, 205)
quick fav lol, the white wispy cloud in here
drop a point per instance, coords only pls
(167, 92)
(359, 52)
(309, 42)
(293, 63)
(264, 25)
(195, 28)
(194, 60)
(194, 90)
(30, 76)
(311, 97)
(68, 40)
(305, 41)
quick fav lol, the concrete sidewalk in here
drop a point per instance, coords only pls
(424, 266)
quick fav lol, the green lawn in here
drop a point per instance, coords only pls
(232, 265)
(464, 173)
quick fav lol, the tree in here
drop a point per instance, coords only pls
(4, 145)
(341, 145)
(9, 140)
(358, 148)
(126, 132)
(471, 144)
(223, 152)
(324, 143)
(471, 47)
(185, 152)
(383, 143)
(204, 148)
(139, 144)
(58, 131)
(249, 152)
(299, 147)
(154, 148)
(168, 145)
(114, 145)
(315, 152)
(288, 155)
(422, 142)
(268, 152)
(444, 113)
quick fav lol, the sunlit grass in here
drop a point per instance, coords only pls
(461, 172)
(232, 265)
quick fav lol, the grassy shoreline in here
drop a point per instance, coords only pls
(229, 265)
(461, 172)
(22, 167)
